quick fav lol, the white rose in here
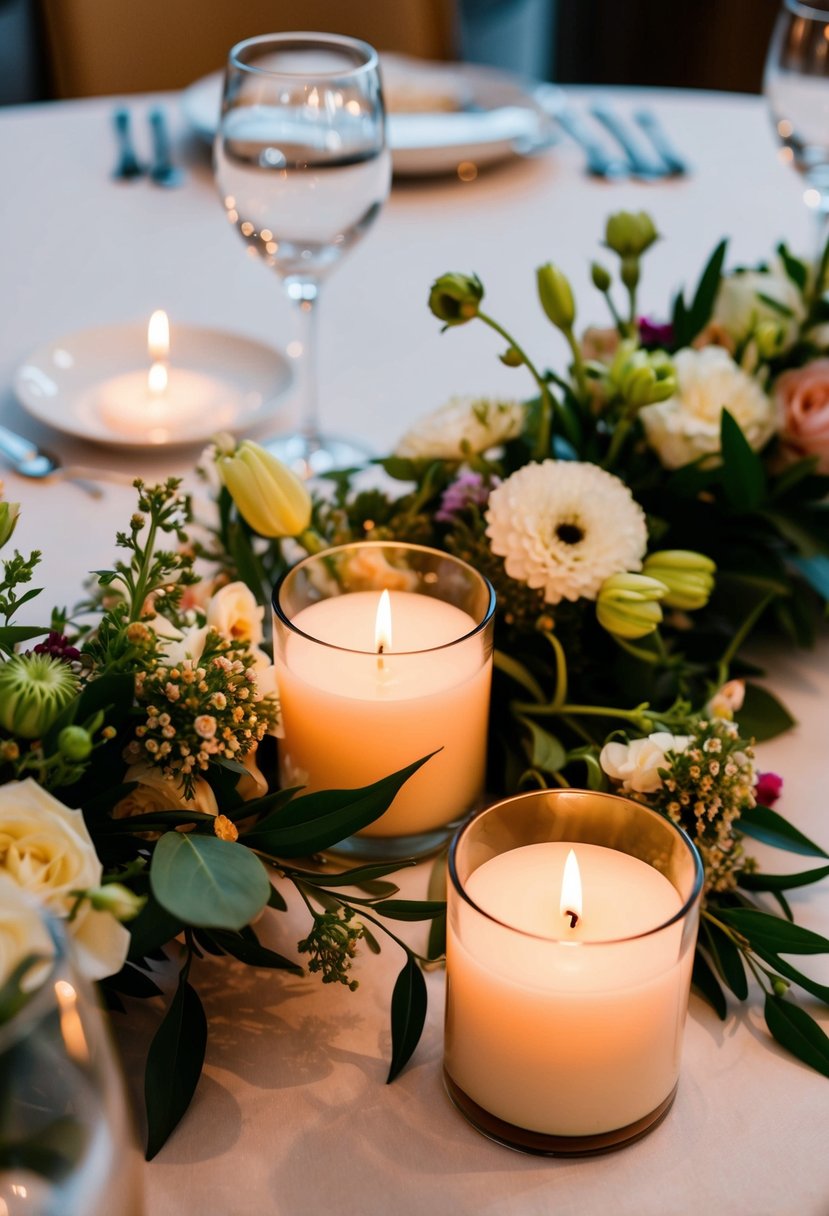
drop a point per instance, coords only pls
(188, 645)
(687, 425)
(234, 613)
(45, 849)
(22, 932)
(740, 308)
(462, 427)
(636, 764)
(155, 792)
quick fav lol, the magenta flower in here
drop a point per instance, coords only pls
(768, 788)
(469, 489)
(57, 645)
(655, 333)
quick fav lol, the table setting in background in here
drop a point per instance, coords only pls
(444, 718)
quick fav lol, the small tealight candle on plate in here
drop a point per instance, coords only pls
(572, 921)
(160, 403)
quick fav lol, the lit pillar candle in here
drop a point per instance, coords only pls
(568, 970)
(371, 681)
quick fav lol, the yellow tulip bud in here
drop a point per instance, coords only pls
(556, 296)
(269, 496)
(688, 576)
(628, 605)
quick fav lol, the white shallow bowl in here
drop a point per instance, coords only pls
(454, 113)
(93, 384)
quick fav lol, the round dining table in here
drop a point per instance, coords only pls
(292, 1115)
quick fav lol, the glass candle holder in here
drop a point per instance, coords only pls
(370, 682)
(566, 996)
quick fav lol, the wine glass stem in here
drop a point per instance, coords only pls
(304, 293)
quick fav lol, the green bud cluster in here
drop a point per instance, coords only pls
(628, 605)
(688, 577)
(642, 377)
(455, 298)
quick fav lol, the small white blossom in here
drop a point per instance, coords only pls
(636, 764)
(463, 427)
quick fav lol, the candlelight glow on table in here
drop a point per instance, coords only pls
(572, 920)
(383, 654)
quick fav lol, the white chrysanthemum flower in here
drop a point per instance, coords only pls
(742, 304)
(687, 425)
(565, 527)
(463, 427)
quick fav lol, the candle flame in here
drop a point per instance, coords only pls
(157, 380)
(382, 626)
(158, 336)
(571, 890)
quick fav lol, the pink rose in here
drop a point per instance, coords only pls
(802, 399)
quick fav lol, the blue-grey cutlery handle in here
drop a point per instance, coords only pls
(161, 142)
(128, 165)
(640, 164)
(650, 124)
(599, 162)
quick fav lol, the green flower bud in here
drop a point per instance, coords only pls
(9, 512)
(512, 357)
(780, 986)
(642, 377)
(770, 338)
(601, 277)
(118, 900)
(628, 605)
(34, 688)
(454, 298)
(556, 296)
(630, 233)
(74, 743)
(688, 576)
(271, 498)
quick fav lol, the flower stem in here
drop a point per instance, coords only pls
(578, 365)
(545, 426)
(740, 636)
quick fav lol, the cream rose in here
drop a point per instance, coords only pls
(802, 400)
(234, 613)
(22, 932)
(155, 792)
(45, 849)
(687, 425)
(636, 764)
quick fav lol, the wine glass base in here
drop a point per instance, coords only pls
(314, 456)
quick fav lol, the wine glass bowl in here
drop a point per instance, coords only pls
(302, 167)
(796, 86)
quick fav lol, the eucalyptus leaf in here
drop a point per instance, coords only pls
(762, 715)
(798, 1032)
(778, 964)
(212, 883)
(130, 981)
(727, 960)
(544, 751)
(248, 949)
(174, 1064)
(762, 823)
(708, 986)
(316, 821)
(355, 877)
(410, 909)
(408, 1015)
(773, 933)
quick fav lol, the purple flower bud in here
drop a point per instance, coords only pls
(768, 788)
(655, 333)
(469, 489)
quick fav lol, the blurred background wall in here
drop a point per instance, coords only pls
(52, 48)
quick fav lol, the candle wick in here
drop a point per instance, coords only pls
(381, 666)
(574, 918)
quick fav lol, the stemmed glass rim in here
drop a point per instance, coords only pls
(305, 39)
(813, 12)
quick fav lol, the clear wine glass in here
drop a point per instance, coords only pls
(66, 1140)
(796, 86)
(303, 168)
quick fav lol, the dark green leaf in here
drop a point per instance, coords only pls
(277, 900)
(400, 469)
(132, 982)
(727, 960)
(410, 909)
(268, 807)
(174, 1064)
(793, 476)
(596, 779)
(212, 883)
(821, 991)
(744, 478)
(801, 529)
(798, 1032)
(777, 306)
(708, 987)
(762, 823)
(316, 821)
(355, 877)
(796, 270)
(10, 635)
(782, 882)
(154, 819)
(762, 716)
(544, 751)
(695, 318)
(785, 906)
(370, 940)
(249, 950)
(773, 933)
(408, 1015)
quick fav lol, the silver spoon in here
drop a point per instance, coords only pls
(27, 459)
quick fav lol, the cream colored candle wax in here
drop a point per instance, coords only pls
(352, 716)
(553, 1026)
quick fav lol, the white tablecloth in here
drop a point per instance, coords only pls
(292, 1115)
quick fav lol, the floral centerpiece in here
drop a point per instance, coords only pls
(655, 501)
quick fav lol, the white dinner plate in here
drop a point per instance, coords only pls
(94, 384)
(440, 114)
